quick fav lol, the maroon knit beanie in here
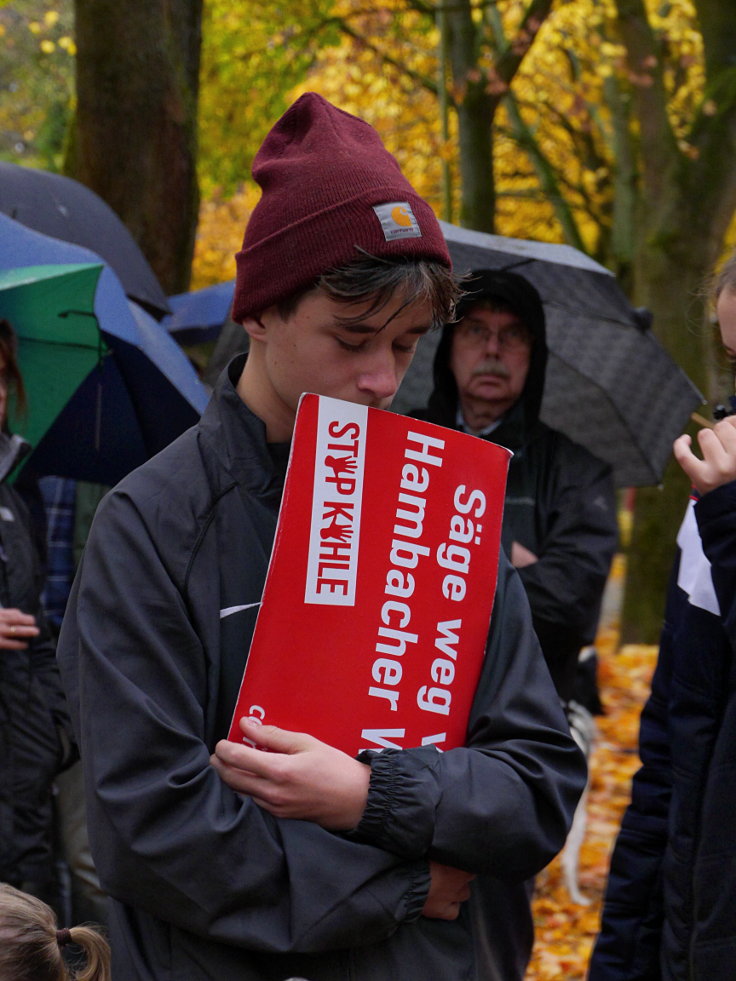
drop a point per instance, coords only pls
(328, 185)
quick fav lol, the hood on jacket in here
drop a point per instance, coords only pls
(521, 297)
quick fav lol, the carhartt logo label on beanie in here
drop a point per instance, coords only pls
(332, 194)
(397, 220)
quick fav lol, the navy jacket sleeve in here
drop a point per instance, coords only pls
(716, 516)
(650, 878)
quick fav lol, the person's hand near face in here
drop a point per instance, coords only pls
(718, 465)
(717, 445)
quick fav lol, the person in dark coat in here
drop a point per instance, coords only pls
(225, 862)
(669, 911)
(35, 735)
(560, 527)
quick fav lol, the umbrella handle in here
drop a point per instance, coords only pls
(701, 420)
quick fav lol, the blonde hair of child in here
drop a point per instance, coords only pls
(725, 278)
(31, 945)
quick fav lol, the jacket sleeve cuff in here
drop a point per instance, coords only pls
(401, 801)
(416, 896)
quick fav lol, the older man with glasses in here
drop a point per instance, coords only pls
(560, 518)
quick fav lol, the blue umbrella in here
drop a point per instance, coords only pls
(199, 315)
(140, 391)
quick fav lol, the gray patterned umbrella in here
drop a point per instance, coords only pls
(610, 384)
(65, 209)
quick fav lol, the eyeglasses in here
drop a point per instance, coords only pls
(474, 334)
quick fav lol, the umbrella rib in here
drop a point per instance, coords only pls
(46, 341)
(600, 317)
(516, 265)
(634, 442)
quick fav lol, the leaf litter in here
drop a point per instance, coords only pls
(565, 931)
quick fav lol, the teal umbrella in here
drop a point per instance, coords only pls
(51, 309)
(106, 389)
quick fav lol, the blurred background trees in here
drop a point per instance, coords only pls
(608, 124)
(36, 80)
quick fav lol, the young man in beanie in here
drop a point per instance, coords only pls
(319, 866)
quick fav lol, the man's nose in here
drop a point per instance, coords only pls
(492, 342)
(379, 377)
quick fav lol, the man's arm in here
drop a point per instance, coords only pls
(501, 806)
(168, 836)
(564, 576)
(294, 775)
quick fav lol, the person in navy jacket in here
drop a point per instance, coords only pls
(670, 905)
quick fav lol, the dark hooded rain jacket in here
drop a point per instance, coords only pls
(560, 500)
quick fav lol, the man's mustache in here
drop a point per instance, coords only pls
(491, 366)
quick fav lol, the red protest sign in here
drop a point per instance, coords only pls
(378, 598)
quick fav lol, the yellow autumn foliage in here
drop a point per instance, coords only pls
(220, 234)
(384, 62)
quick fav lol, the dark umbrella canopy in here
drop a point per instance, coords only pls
(108, 387)
(199, 315)
(610, 385)
(65, 209)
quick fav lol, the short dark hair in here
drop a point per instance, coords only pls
(378, 280)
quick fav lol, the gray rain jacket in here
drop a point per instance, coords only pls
(206, 884)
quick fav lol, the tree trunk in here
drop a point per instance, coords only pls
(475, 109)
(669, 276)
(478, 91)
(478, 199)
(134, 136)
(659, 510)
(687, 198)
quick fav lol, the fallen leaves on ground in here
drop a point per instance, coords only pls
(566, 931)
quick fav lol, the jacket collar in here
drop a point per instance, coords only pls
(237, 438)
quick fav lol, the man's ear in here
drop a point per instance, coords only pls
(254, 328)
